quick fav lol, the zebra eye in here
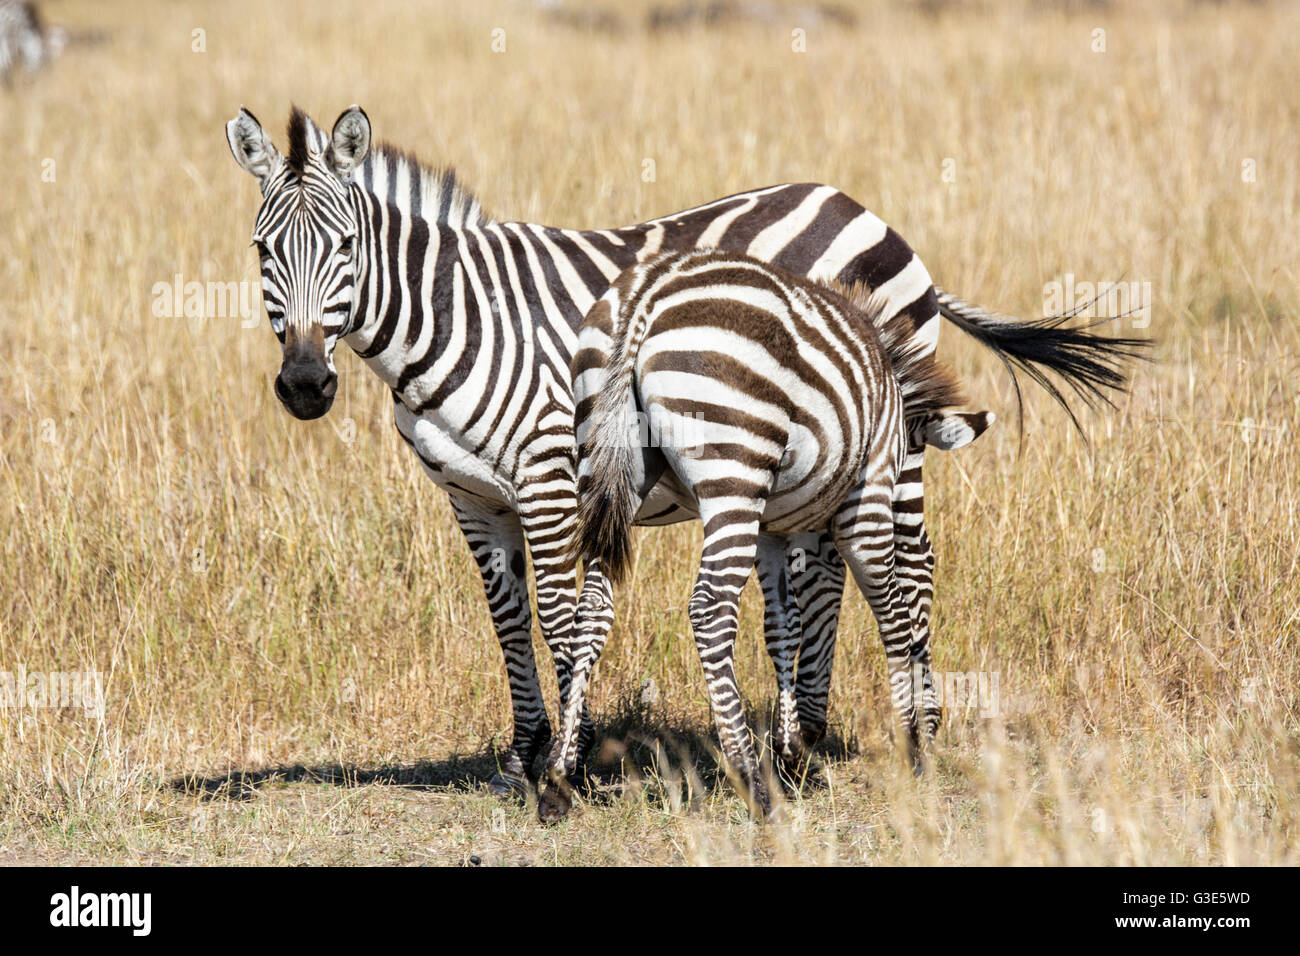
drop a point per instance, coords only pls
(262, 251)
(345, 247)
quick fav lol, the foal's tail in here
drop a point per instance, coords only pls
(607, 496)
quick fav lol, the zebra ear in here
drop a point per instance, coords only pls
(955, 429)
(251, 147)
(349, 142)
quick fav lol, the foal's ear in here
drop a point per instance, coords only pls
(349, 142)
(954, 429)
(251, 147)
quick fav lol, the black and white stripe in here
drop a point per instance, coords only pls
(777, 410)
(472, 322)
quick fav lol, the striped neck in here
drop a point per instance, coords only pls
(403, 208)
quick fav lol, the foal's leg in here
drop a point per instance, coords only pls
(783, 632)
(864, 530)
(817, 579)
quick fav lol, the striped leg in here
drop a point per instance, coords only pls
(595, 616)
(820, 587)
(730, 548)
(547, 513)
(497, 543)
(864, 530)
(782, 631)
(817, 575)
(915, 565)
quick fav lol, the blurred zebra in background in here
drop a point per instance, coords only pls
(471, 323)
(26, 43)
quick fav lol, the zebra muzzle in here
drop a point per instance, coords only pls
(306, 384)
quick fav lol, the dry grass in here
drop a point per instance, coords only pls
(261, 593)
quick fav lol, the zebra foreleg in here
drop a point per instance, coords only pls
(595, 617)
(496, 540)
(548, 518)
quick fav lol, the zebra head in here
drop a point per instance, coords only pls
(306, 236)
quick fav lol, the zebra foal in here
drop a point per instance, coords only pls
(780, 406)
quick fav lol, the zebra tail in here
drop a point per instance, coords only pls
(607, 496)
(1091, 364)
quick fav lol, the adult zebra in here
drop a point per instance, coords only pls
(471, 324)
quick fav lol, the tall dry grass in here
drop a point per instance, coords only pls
(261, 593)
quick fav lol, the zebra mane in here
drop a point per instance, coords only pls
(437, 187)
(928, 386)
(305, 138)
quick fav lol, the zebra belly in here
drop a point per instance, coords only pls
(452, 467)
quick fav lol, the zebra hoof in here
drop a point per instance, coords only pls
(760, 802)
(914, 756)
(553, 805)
(917, 761)
(792, 771)
(507, 785)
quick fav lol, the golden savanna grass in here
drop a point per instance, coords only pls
(262, 594)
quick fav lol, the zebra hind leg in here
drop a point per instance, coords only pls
(817, 576)
(914, 561)
(782, 632)
(595, 616)
(865, 535)
(730, 548)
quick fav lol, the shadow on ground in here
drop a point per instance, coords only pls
(634, 746)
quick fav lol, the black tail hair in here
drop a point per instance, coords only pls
(1091, 364)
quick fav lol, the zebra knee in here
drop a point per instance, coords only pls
(701, 608)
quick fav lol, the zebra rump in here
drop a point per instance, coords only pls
(607, 494)
(928, 386)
